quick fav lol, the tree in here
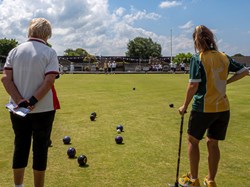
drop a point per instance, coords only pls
(77, 52)
(6, 45)
(89, 58)
(182, 57)
(143, 48)
(238, 55)
(80, 52)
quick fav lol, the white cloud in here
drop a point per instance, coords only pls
(169, 4)
(187, 25)
(139, 15)
(225, 47)
(183, 44)
(120, 11)
(87, 24)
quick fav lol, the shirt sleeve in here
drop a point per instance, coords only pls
(235, 66)
(53, 64)
(195, 74)
(8, 64)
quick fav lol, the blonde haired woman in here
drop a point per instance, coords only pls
(210, 112)
(28, 77)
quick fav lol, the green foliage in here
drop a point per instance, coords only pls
(89, 58)
(76, 52)
(238, 55)
(143, 48)
(182, 57)
(6, 45)
(80, 52)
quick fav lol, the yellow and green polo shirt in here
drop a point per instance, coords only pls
(211, 70)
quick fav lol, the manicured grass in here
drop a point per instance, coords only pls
(151, 133)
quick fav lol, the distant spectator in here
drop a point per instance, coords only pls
(175, 65)
(182, 65)
(159, 67)
(171, 66)
(61, 69)
(72, 67)
(97, 66)
(105, 67)
(109, 67)
(153, 67)
(113, 66)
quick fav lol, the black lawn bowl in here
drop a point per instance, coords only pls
(92, 117)
(171, 105)
(119, 127)
(66, 140)
(71, 152)
(133, 88)
(118, 139)
(82, 160)
(94, 114)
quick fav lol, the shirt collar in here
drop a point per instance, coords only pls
(37, 39)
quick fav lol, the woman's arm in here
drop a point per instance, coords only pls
(10, 87)
(191, 90)
(237, 76)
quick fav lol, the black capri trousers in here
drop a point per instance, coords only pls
(36, 127)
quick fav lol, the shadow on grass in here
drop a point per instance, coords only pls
(72, 158)
(84, 166)
(120, 143)
(67, 143)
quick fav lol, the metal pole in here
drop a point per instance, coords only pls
(171, 45)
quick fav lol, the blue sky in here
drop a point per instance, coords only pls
(104, 27)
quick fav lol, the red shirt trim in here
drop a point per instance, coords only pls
(52, 72)
(55, 99)
(8, 68)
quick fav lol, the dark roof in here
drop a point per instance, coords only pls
(245, 60)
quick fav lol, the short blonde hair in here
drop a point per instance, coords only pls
(204, 39)
(40, 28)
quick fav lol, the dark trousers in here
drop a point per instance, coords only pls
(36, 127)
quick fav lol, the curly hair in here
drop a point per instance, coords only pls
(204, 39)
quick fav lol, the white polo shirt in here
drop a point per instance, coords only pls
(31, 62)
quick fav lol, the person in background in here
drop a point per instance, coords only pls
(61, 69)
(210, 112)
(28, 77)
(113, 66)
(182, 65)
(174, 67)
(109, 67)
(97, 67)
(105, 67)
(171, 66)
